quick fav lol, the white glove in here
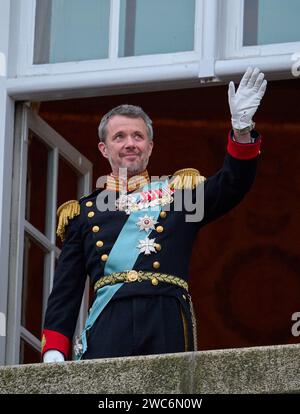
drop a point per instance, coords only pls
(53, 356)
(245, 101)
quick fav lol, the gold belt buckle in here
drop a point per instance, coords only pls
(132, 276)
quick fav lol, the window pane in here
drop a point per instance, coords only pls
(71, 30)
(36, 187)
(28, 355)
(33, 282)
(156, 26)
(271, 21)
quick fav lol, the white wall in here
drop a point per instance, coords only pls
(6, 145)
(4, 32)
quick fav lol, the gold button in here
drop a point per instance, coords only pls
(159, 229)
(156, 265)
(157, 247)
(96, 229)
(154, 281)
(104, 257)
(163, 214)
(99, 243)
(184, 297)
(89, 203)
(91, 214)
(132, 276)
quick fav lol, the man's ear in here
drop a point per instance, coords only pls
(151, 147)
(102, 149)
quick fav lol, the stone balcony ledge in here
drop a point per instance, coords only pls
(270, 369)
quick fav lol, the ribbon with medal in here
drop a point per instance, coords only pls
(128, 245)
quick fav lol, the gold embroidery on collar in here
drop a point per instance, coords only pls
(127, 184)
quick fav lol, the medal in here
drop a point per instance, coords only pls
(145, 199)
(146, 223)
(147, 246)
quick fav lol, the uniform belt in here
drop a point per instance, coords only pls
(139, 276)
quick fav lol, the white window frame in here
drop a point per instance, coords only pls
(233, 39)
(113, 62)
(275, 60)
(218, 57)
(58, 146)
(108, 76)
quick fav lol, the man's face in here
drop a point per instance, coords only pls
(127, 144)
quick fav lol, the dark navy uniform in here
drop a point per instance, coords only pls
(142, 317)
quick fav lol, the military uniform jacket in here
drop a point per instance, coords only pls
(90, 236)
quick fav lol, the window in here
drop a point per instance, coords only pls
(84, 36)
(271, 21)
(47, 172)
(80, 30)
(156, 26)
(265, 31)
(71, 30)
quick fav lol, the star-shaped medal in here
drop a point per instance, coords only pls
(146, 223)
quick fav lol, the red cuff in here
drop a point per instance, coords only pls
(55, 340)
(243, 151)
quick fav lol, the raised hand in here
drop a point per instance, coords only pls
(244, 102)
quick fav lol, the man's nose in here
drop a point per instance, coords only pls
(129, 142)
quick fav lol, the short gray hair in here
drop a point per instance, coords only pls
(131, 111)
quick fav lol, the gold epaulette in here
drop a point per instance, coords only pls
(186, 178)
(65, 212)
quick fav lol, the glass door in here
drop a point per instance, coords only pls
(47, 172)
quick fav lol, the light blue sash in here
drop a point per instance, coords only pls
(122, 257)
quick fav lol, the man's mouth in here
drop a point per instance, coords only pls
(130, 155)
